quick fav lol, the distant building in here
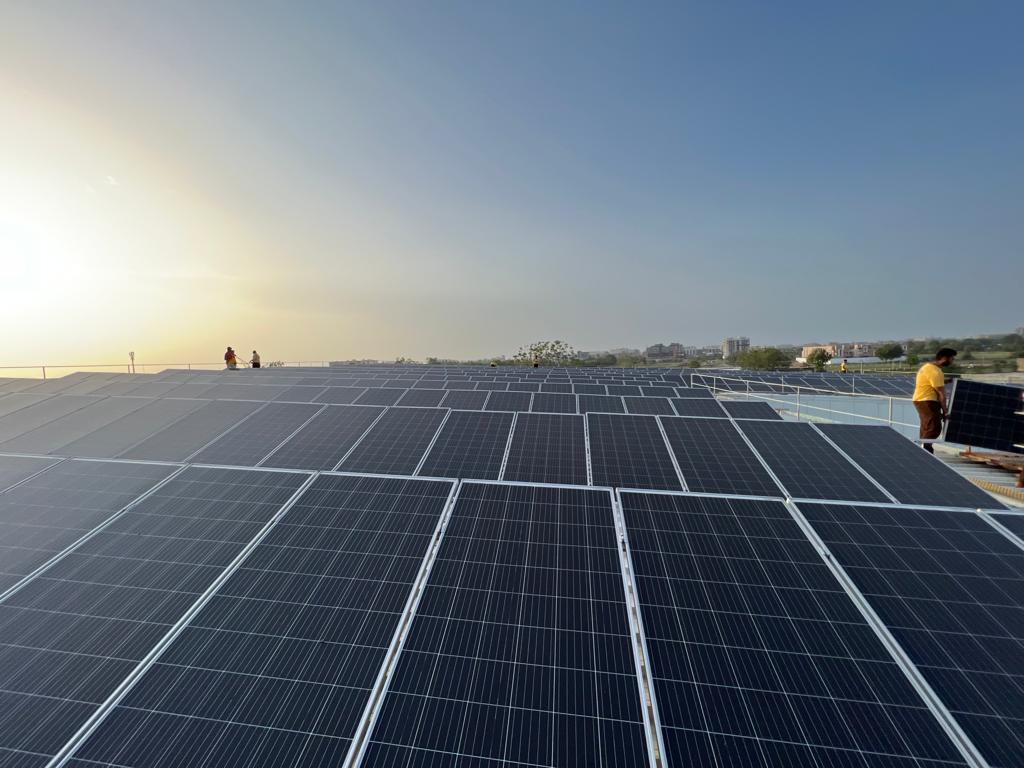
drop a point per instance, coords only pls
(840, 350)
(810, 349)
(735, 346)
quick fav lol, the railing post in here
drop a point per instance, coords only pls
(44, 372)
(748, 389)
(798, 403)
(890, 411)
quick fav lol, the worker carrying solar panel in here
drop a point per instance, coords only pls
(230, 359)
(930, 395)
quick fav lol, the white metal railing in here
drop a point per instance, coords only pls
(46, 371)
(816, 404)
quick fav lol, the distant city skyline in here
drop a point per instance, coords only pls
(363, 180)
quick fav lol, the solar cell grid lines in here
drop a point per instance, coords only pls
(471, 444)
(524, 386)
(380, 396)
(464, 400)
(396, 443)
(509, 401)
(544, 402)
(985, 415)
(547, 448)
(758, 655)
(600, 404)
(261, 433)
(806, 465)
(950, 588)
(623, 389)
(630, 452)
(78, 423)
(694, 393)
(705, 407)
(52, 510)
(73, 633)
(653, 406)
(424, 398)
(910, 474)
(299, 393)
(118, 436)
(14, 469)
(553, 386)
(714, 458)
(750, 409)
(277, 668)
(40, 412)
(520, 652)
(340, 395)
(190, 433)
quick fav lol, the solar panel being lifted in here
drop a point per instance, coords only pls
(278, 667)
(986, 415)
(520, 652)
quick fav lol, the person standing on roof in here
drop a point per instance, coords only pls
(842, 366)
(231, 359)
(255, 362)
(930, 395)
(536, 361)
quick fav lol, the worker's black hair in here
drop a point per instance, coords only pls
(945, 352)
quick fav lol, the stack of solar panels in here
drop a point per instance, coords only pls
(477, 568)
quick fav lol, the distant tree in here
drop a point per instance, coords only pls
(549, 352)
(404, 361)
(913, 358)
(694, 363)
(889, 351)
(819, 358)
(763, 359)
(275, 364)
(966, 355)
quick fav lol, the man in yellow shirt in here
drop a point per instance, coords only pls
(930, 395)
(843, 367)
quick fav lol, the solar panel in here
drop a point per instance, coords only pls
(380, 396)
(694, 393)
(1015, 523)
(524, 386)
(41, 412)
(704, 407)
(600, 404)
(544, 402)
(14, 469)
(471, 444)
(910, 474)
(758, 655)
(52, 510)
(623, 389)
(226, 391)
(653, 406)
(714, 458)
(520, 651)
(300, 394)
(556, 386)
(509, 401)
(75, 631)
(806, 465)
(118, 436)
(425, 398)
(464, 400)
(254, 438)
(278, 667)
(658, 391)
(547, 448)
(750, 409)
(985, 416)
(396, 443)
(188, 435)
(590, 389)
(950, 588)
(630, 452)
(340, 395)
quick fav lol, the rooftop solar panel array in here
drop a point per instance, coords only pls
(282, 612)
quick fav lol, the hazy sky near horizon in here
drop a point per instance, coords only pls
(335, 180)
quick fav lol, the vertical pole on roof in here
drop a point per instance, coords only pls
(44, 372)
(890, 411)
(748, 389)
(798, 403)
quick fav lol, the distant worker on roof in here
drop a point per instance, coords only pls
(842, 366)
(536, 361)
(255, 362)
(231, 359)
(930, 395)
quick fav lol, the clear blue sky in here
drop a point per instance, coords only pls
(455, 179)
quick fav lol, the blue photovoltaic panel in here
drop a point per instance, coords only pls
(396, 443)
(524, 386)
(590, 389)
(623, 389)
(653, 406)
(471, 444)
(694, 393)
(758, 655)
(714, 458)
(520, 652)
(423, 398)
(14, 469)
(552, 386)
(695, 406)
(492, 386)
(261, 433)
(459, 384)
(189, 434)
(278, 667)
(1014, 522)
(600, 404)
(323, 442)
(984, 415)
(51, 511)
(548, 448)
(340, 395)
(806, 465)
(130, 430)
(912, 475)
(379, 396)
(300, 394)
(630, 452)
(544, 402)
(74, 632)
(950, 587)
(509, 401)
(750, 409)
(464, 400)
